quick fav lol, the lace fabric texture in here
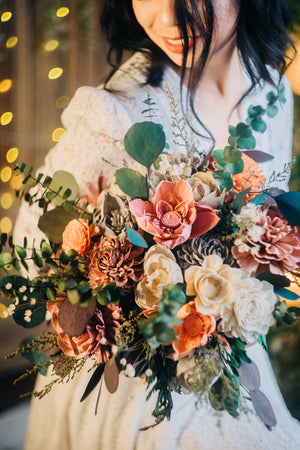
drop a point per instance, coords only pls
(96, 121)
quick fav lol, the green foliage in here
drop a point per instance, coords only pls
(144, 142)
(32, 350)
(132, 183)
(289, 206)
(53, 223)
(64, 182)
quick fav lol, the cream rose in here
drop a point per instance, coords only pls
(206, 190)
(213, 284)
(160, 269)
(251, 313)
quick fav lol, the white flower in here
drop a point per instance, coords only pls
(148, 373)
(16, 301)
(130, 371)
(28, 312)
(25, 298)
(164, 164)
(255, 233)
(123, 362)
(32, 301)
(251, 313)
(27, 319)
(22, 289)
(184, 372)
(8, 286)
(114, 349)
(160, 269)
(10, 309)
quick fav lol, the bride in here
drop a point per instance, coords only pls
(206, 61)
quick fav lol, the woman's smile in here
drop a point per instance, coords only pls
(176, 45)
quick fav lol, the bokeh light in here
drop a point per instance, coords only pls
(5, 174)
(55, 73)
(62, 12)
(6, 16)
(62, 102)
(12, 154)
(5, 225)
(16, 181)
(57, 134)
(51, 45)
(11, 42)
(6, 200)
(3, 310)
(6, 118)
(5, 85)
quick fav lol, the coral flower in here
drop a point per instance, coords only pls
(194, 330)
(173, 217)
(251, 176)
(77, 236)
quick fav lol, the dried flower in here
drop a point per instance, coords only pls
(206, 190)
(194, 330)
(77, 236)
(160, 269)
(173, 217)
(275, 250)
(115, 261)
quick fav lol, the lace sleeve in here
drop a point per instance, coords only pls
(95, 123)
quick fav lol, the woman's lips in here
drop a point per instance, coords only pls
(177, 45)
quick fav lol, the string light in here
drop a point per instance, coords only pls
(55, 73)
(5, 85)
(5, 174)
(6, 16)
(57, 134)
(6, 225)
(6, 118)
(51, 45)
(12, 155)
(11, 42)
(6, 200)
(62, 12)
(16, 181)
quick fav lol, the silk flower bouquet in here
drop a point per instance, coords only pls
(165, 275)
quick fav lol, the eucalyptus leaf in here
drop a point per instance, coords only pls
(136, 238)
(259, 125)
(243, 130)
(63, 181)
(53, 223)
(272, 110)
(239, 200)
(144, 142)
(278, 281)
(235, 167)
(231, 155)
(247, 143)
(5, 259)
(132, 183)
(258, 199)
(219, 157)
(20, 251)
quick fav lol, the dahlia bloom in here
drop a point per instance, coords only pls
(77, 236)
(173, 217)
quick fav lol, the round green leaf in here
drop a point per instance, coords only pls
(247, 143)
(272, 110)
(219, 157)
(232, 155)
(65, 181)
(132, 183)
(37, 317)
(243, 130)
(53, 223)
(235, 167)
(259, 125)
(144, 142)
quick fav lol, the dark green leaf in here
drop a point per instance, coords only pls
(232, 130)
(233, 140)
(3, 238)
(243, 130)
(136, 238)
(235, 168)
(255, 111)
(46, 249)
(289, 206)
(73, 296)
(219, 157)
(37, 316)
(144, 142)
(53, 223)
(132, 183)
(278, 281)
(21, 251)
(16, 264)
(94, 380)
(37, 259)
(239, 201)
(46, 181)
(247, 143)
(258, 199)
(52, 264)
(231, 155)
(285, 293)
(259, 125)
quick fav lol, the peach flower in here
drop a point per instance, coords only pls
(96, 342)
(173, 217)
(275, 250)
(194, 330)
(115, 260)
(251, 177)
(77, 236)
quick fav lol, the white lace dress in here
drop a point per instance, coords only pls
(96, 121)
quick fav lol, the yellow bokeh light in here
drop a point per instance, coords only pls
(11, 42)
(16, 182)
(6, 16)
(51, 45)
(5, 85)
(6, 225)
(5, 174)
(6, 118)
(54, 73)
(12, 155)
(62, 102)
(3, 310)
(294, 69)
(6, 200)
(62, 12)
(57, 134)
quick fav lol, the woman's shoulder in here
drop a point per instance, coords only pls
(120, 100)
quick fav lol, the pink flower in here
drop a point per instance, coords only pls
(174, 217)
(275, 251)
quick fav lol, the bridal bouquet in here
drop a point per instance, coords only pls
(165, 275)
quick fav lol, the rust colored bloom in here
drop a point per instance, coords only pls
(173, 217)
(117, 261)
(275, 251)
(194, 330)
(77, 236)
(251, 177)
(97, 341)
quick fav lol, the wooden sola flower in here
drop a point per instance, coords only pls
(194, 330)
(173, 217)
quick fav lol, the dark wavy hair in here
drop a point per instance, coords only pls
(261, 35)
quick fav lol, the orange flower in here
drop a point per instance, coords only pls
(251, 177)
(77, 236)
(115, 261)
(194, 330)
